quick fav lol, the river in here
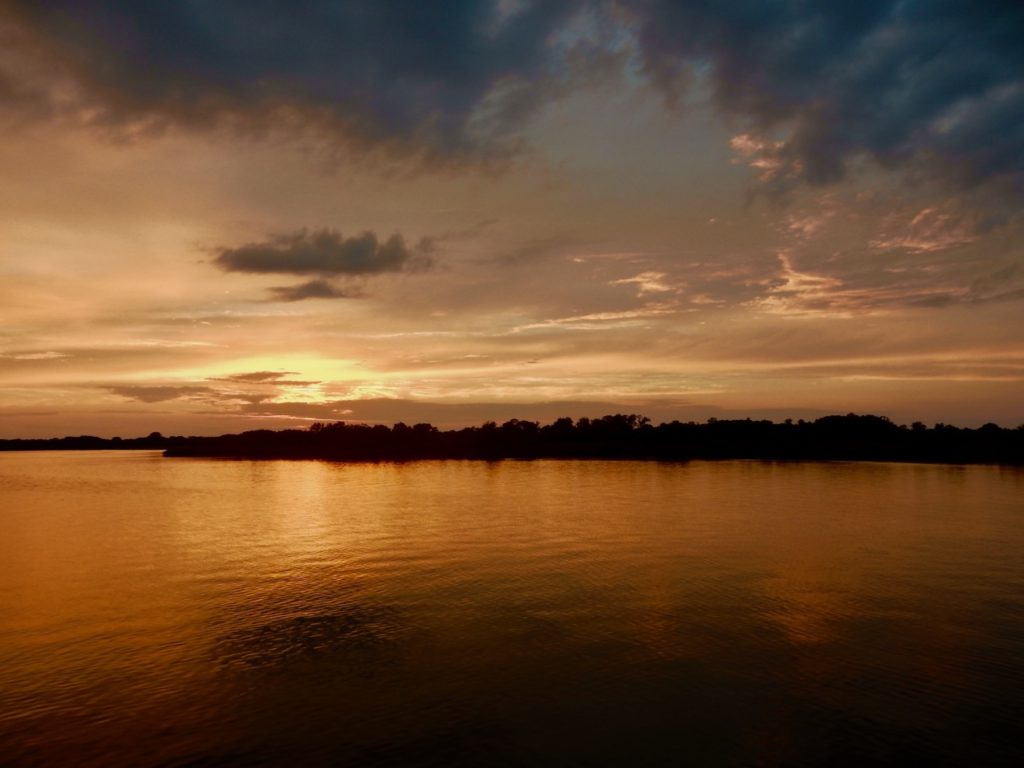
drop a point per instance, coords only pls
(160, 611)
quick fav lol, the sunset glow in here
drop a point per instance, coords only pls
(580, 207)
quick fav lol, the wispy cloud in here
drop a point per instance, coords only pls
(158, 394)
(799, 293)
(314, 289)
(256, 377)
(597, 320)
(932, 228)
(47, 355)
(647, 282)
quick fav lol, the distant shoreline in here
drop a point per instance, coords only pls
(848, 438)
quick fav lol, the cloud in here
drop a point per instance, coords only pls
(933, 88)
(930, 87)
(256, 376)
(157, 394)
(261, 380)
(47, 355)
(798, 292)
(232, 390)
(646, 282)
(321, 252)
(933, 228)
(851, 252)
(604, 320)
(314, 289)
(447, 79)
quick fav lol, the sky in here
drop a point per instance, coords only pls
(260, 214)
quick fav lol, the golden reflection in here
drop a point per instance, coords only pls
(748, 598)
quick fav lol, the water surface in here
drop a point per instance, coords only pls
(205, 612)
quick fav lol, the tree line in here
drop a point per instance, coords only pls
(619, 436)
(622, 436)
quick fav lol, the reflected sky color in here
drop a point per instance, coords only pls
(219, 220)
(553, 612)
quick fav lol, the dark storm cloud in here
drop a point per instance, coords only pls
(930, 84)
(321, 252)
(420, 74)
(314, 289)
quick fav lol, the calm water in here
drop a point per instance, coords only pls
(200, 612)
